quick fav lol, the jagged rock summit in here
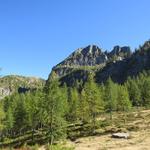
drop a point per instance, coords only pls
(91, 57)
(88, 56)
(118, 63)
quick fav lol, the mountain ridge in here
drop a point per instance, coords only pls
(90, 56)
(119, 63)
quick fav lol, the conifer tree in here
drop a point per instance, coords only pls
(73, 101)
(2, 116)
(33, 110)
(54, 110)
(83, 108)
(9, 121)
(146, 92)
(110, 97)
(20, 113)
(93, 97)
(123, 102)
(134, 92)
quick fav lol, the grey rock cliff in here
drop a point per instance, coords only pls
(90, 57)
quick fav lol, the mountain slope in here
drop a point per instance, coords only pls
(90, 57)
(117, 64)
(14, 83)
(131, 66)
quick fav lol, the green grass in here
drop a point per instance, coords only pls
(58, 147)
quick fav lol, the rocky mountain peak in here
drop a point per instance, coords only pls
(88, 56)
(91, 49)
(91, 56)
(124, 51)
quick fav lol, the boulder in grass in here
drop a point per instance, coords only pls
(121, 135)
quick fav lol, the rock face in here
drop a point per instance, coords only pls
(90, 57)
(13, 83)
(117, 50)
(4, 92)
(119, 53)
(131, 66)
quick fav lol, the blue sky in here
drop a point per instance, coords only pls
(35, 35)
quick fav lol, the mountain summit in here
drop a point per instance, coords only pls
(118, 63)
(92, 57)
(88, 56)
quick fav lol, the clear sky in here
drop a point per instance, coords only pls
(35, 35)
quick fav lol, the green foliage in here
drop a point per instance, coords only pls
(123, 102)
(94, 101)
(57, 111)
(83, 107)
(20, 113)
(146, 93)
(9, 119)
(2, 116)
(110, 96)
(58, 147)
(73, 102)
(134, 92)
(54, 111)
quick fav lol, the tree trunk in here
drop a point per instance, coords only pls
(32, 136)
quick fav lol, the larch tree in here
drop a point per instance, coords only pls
(110, 97)
(54, 110)
(93, 97)
(73, 102)
(123, 102)
(146, 93)
(134, 92)
(2, 116)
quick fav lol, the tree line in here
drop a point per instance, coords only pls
(54, 108)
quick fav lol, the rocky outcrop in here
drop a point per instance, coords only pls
(120, 51)
(90, 57)
(20, 84)
(4, 92)
(131, 66)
